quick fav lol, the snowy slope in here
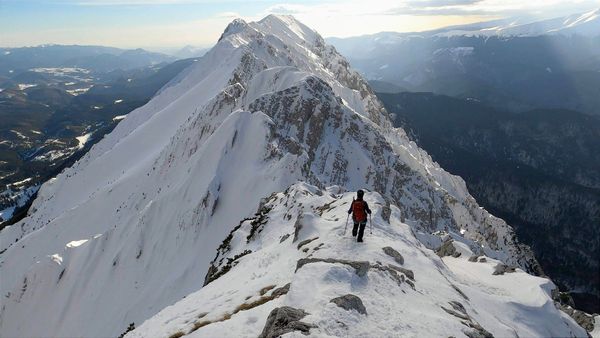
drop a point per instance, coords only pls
(410, 304)
(133, 226)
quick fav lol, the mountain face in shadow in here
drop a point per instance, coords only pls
(537, 170)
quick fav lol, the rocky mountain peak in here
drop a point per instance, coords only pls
(235, 26)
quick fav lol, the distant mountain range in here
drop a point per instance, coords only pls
(93, 58)
(585, 24)
(505, 64)
(190, 52)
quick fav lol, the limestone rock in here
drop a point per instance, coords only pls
(394, 254)
(283, 320)
(447, 249)
(350, 302)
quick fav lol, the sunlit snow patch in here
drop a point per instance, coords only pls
(19, 134)
(78, 91)
(56, 258)
(74, 244)
(19, 183)
(23, 86)
(83, 139)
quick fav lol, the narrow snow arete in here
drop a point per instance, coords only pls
(251, 154)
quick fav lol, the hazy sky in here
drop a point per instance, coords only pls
(175, 23)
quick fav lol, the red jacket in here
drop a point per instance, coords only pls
(359, 209)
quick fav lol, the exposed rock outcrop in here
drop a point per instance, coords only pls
(394, 254)
(361, 267)
(447, 249)
(501, 269)
(283, 320)
(350, 302)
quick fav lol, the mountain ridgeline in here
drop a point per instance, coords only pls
(218, 208)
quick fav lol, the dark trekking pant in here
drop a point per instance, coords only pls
(360, 229)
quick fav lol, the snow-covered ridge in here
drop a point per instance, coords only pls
(270, 105)
(294, 253)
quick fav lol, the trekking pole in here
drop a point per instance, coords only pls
(371, 221)
(345, 227)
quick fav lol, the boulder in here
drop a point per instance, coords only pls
(447, 249)
(281, 291)
(394, 254)
(501, 269)
(283, 320)
(350, 302)
(408, 273)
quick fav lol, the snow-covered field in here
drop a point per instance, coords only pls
(78, 91)
(23, 86)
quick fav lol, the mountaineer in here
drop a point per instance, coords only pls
(359, 210)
